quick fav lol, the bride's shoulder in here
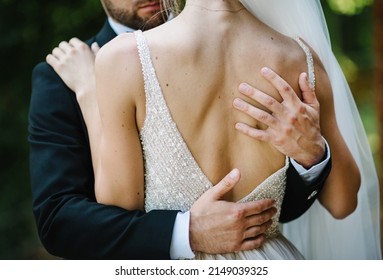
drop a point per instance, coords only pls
(119, 55)
(121, 45)
(306, 55)
(118, 63)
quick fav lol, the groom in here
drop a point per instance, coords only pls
(70, 222)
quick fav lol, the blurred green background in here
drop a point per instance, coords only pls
(32, 28)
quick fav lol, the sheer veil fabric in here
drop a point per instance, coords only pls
(316, 234)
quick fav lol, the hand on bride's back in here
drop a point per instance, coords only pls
(293, 125)
(218, 226)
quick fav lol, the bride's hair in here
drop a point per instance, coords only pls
(173, 6)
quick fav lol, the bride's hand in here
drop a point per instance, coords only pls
(74, 61)
(293, 125)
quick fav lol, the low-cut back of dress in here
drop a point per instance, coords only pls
(174, 180)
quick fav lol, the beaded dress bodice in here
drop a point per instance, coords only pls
(173, 178)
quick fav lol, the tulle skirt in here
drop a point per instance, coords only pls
(278, 248)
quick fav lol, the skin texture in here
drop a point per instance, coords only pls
(123, 109)
(244, 221)
(74, 61)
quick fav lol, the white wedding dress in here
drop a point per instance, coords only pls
(174, 180)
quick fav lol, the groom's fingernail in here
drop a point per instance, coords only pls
(244, 88)
(234, 174)
(306, 77)
(238, 103)
(265, 70)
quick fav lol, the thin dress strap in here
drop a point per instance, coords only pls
(173, 178)
(149, 74)
(310, 61)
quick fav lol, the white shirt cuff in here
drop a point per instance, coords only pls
(310, 175)
(180, 245)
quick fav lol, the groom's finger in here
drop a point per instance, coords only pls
(226, 184)
(255, 113)
(253, 243)
(257, 229)
(262, 98)
(308, 90)
(258, 134)
(285, 90)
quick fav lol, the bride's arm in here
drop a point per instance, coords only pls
(74, 61)
(115, 147)
(119, 177)
(339, 194)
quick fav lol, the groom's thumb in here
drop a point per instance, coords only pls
(226, 184)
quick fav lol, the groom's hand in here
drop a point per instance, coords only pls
(219, 226)
(293, 125)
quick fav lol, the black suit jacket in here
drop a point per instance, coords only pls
(70, 223)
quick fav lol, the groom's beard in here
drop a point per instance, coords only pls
(142, 14)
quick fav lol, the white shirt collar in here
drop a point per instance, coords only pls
(118, 27)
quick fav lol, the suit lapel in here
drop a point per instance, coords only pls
(104, 36)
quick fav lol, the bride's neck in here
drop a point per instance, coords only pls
(232, 6)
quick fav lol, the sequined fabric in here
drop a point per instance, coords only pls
(173, 178)
(309, 60)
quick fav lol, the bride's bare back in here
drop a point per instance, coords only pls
(199, 70)
(200, 58)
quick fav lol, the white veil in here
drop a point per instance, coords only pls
(316, 234)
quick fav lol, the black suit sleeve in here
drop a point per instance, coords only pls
(70, 223)
(298, 196)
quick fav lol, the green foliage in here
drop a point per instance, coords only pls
(351, 32)
(30, 30)
(349, 7)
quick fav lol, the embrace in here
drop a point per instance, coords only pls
(195, 131)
